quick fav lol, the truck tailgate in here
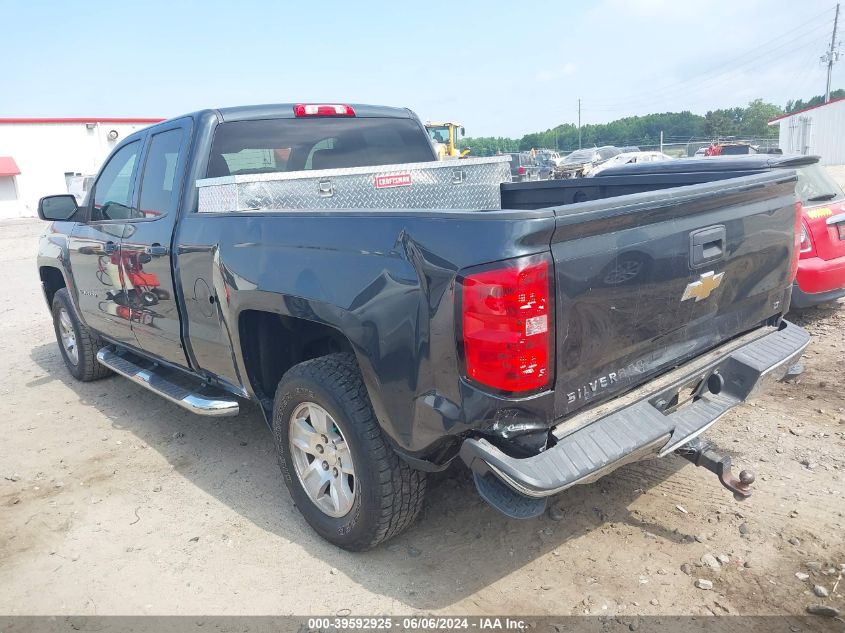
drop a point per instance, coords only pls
(647, 281)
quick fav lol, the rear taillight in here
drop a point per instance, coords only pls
(798, 239)
(508, 326)
(521, 170)
(806, 242)
(808, 249)
(323, 109)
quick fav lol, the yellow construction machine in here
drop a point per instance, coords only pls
(445, 138)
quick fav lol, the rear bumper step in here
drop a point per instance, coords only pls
(647, 424)
(171, 384)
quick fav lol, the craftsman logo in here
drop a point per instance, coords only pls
(396, 180)
(701, 289)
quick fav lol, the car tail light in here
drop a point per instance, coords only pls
(805, 242)
(507, 325)
(807, 247)
(323, 109)
(521, 170)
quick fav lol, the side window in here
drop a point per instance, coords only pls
(159, 177)
(111, 192)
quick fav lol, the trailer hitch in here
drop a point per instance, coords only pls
(704, 454)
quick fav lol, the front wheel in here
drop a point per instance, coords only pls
(78, 344)
(344, 477)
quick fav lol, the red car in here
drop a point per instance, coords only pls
(821, 267)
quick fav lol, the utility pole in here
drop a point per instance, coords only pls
(832, 55)
(579, 108)
(661, 141)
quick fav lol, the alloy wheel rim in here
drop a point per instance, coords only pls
(322, 460)
(68, 336)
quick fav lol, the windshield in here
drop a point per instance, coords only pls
(581, 156)
(816, 186)
(439, 134)
(608, 152)
(521, 159)
(621, 159)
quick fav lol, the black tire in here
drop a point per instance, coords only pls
(86, 368)
(388, 493)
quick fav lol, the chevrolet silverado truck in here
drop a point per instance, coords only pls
(544, 340)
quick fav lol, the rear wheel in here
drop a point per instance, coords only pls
(78, 344)
(349, 484)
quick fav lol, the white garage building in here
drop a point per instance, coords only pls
(818, 130)
(39, 157)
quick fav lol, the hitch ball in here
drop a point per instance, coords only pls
(746, 477)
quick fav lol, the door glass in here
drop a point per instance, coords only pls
(157, 182)
(111, 194)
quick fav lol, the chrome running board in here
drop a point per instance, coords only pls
(170, 384)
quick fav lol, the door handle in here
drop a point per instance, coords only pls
(156, 250)
(109, 248)
(707, 245)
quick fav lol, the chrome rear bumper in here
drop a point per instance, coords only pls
(646, 422)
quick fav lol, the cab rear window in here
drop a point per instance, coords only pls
(815, 186)
(281, 145)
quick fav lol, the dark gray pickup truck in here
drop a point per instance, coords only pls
(544, 345)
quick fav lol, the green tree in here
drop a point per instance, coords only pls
(750, 121)
(800, 104)
(724, 122)
(489, 145)
(756, 117)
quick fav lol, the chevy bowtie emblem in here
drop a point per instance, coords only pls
(702, 288)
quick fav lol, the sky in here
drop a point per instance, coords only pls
(500, 69)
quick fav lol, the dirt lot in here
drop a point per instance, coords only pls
(116, 502)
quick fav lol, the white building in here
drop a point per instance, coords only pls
(38, 157)
(818, 130)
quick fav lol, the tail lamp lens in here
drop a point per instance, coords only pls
(322, 109)
(806, 240)
(507, 325)
(521, 170)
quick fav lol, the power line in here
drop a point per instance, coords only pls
(749, 55)
(805, 76)
(698, 86)
(832, 55)
(748, 60)
(699, 82)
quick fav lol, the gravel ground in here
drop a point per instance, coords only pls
(113, 501)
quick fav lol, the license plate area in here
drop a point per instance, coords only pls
(841, 228)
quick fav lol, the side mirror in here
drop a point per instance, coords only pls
(463, 132)
(57, 208)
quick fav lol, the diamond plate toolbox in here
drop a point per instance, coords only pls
(469, 183)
